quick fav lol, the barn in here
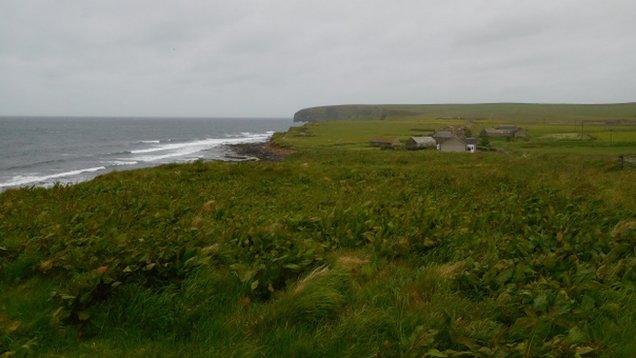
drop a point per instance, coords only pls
(415, 143)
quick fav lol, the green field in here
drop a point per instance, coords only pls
(591, 138)
(339, 250)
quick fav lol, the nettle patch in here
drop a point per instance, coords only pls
(548, 287)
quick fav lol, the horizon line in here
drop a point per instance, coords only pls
(315, 106)
(133, 116)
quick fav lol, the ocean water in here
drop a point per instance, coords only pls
(41, 151)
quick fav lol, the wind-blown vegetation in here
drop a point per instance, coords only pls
(339, 250)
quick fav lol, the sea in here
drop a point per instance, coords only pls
(42, 151)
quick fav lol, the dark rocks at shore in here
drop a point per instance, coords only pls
(260, 151)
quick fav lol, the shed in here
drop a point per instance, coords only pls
(521, 133)
(415, 143)
(452, 144)
(510, 131)
(508, 127)
(495, 132)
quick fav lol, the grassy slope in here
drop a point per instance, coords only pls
(340, 249)
(519, 111)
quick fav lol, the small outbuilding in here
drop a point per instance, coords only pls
(512, 130)
(451, 141)
(493, 133)
(452, 144)
(520, 133)
(505, 131)
(415, 143)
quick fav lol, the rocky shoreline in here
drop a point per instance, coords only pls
(257, 151)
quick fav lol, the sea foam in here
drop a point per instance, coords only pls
(190, 148)
(31, 179)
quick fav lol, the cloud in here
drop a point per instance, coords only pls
(270, 58)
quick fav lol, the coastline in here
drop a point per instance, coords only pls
(41, 154)
(240, 152)
(267, 151)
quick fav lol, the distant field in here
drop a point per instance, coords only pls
(544, 136)
(340, 250)
(485, 111)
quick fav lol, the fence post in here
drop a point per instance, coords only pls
(621, 160)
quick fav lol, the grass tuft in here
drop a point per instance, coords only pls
(316, 297)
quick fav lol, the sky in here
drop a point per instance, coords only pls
(258, 58)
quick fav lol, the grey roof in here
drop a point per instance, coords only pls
(457, 138)
(424, 140)
(444, 134)
(493, 130)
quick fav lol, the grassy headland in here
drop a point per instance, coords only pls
(478, 111)
(338, 250)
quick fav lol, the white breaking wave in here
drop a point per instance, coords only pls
(30, 179)
(149, 141)
(120, 162)
(159, 151)
(188, 148)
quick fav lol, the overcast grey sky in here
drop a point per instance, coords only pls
(272, 57)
